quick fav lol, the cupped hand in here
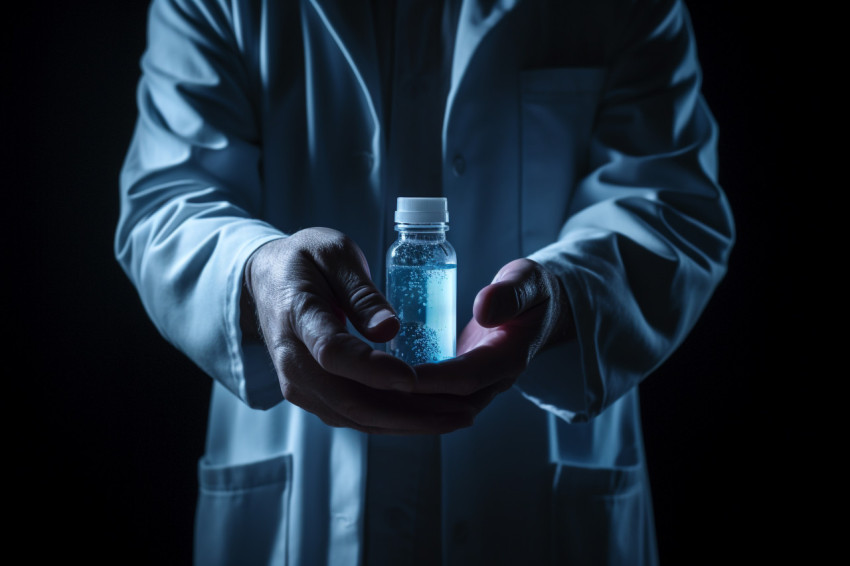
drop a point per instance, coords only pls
(523, 310)
(303, 287)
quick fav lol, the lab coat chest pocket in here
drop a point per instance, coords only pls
(558, 107)
(601, 516)
(247, 503)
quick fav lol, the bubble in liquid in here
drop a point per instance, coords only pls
(421, 344)
(424, 299)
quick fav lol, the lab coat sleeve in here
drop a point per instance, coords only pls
(190, 192)
(649, 229)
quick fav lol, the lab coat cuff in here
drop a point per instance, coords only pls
(556, 380)
(251, 374)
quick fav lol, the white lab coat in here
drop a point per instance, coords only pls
(574, 134)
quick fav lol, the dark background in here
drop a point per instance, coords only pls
(106, 420)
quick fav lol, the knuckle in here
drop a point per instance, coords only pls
(290, 392)
(327, 241)
(327, 350)
(282, 350)
(319, 245)
(364, 295)
(520, 296)
(530, 289)
(301, 308)
(287, 361)
(323, 350)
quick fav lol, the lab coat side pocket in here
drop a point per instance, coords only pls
(602, 516)
(243, 512)
(558, 108)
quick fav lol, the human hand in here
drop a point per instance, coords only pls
(303, 287)
(524, 310)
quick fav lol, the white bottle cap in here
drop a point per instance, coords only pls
(420, 210)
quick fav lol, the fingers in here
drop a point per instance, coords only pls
(387, 412)
(345, 268)
(342, 402)
(518, 287)
(497, 358)
(304, 286)
(512, 318)
(347, 356)
(312, 322)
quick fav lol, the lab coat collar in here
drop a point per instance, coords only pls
(477, 18)
(351, 23)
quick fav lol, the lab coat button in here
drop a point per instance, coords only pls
(458, 165)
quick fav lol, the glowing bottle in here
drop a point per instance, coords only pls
(422, 282)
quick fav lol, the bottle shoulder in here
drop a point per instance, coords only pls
(407, 252)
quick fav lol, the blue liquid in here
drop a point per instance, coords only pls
(425, 300)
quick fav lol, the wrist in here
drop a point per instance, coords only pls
(248, 320)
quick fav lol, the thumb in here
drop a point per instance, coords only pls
(518, 287)
(358, 297)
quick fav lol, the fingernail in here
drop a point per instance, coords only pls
(380, 317)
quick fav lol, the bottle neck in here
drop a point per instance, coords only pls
(422, 232)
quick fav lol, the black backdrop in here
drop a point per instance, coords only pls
(106, 420)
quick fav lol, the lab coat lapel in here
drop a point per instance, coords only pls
(350, 24)
(476, 19)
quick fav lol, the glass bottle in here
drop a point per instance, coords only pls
(422, 282)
